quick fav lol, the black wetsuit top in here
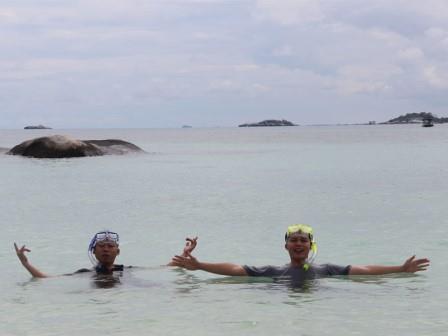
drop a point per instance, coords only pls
(101, 269)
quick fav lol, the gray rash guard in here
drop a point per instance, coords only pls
(297, 274)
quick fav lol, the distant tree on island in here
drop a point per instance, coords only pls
(37, 127)
(417, 117)
(270, 122)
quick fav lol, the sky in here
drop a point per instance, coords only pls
(220, 63)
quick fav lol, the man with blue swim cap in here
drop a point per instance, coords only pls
(302, 249)
(103, 249)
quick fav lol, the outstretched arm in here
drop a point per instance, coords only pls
(191, 263)
(411, 265)
(24, 260)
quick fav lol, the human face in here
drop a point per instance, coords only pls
(298, 246)
(106, 251)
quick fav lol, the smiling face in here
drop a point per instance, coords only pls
(106, 251)
(298, 246)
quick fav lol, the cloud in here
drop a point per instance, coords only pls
(437, 76)
(365, 79)
(411, 54)
(289, 12)
(87, 55)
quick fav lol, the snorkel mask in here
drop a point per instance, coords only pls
(308, 230)
(99, 237)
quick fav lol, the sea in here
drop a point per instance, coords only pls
(374, 194)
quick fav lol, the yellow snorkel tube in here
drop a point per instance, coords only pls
(303, 228)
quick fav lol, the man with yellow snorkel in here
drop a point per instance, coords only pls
(299, 242)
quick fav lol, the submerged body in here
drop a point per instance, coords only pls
(296, 272)
(296, 276)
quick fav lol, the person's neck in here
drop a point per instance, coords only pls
(298, 262)
(108, 266)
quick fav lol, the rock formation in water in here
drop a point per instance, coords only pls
(60, 146)
(270, 122)
(114, 146)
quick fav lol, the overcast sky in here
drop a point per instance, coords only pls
(205, 63)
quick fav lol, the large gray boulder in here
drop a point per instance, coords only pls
(114, 146)
(60, 146)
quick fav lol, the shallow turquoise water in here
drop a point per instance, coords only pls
(374, 194)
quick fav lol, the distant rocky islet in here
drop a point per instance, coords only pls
(36, 127)
(409, 118)
(416, 118)
(269, 123)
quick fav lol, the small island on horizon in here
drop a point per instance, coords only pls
(269, 123)
(424, 118)
(37, 127)
(416, 118)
